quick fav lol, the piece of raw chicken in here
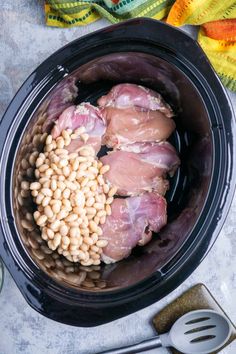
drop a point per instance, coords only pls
(131, 223)
(58, 100)
(130, 95)
(84, 115)
(141, 167)
(130, 125)
(135, 114)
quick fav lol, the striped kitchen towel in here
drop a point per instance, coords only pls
(217, 20)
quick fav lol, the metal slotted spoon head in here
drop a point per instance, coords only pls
(200, 332)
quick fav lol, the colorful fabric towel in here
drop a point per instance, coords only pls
(217, 34)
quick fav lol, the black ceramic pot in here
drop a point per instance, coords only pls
(156, 55)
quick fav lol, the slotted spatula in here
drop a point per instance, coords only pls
(197, 332)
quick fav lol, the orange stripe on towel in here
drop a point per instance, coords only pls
(223, 29)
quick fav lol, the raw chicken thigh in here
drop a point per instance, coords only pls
(82, 115)
(135, 114)
(59, 99)
(141, 167)
(129, 125)
(162, 155)
(132, 222)
(130, 95)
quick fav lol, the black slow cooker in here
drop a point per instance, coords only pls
(167, 60)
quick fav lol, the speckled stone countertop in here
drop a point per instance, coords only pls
(24, 43)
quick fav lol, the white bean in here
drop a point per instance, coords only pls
(84, 137)
(65, 240)
(41, 220)
(108, 209)
(93, 226)
(104, 169)
(43, 168)
(34, 193)
(25, 185)
(66, 193)
(71, 218)
(39, 198)
(60, 143)
(105, 188)
(48, 212)
(90, 202)
(64, 230)
(112, 192)
(47, 192)
(55, 225)
(57, 240)
(56, 208)
(46, 201)
(62, 214)
(98, 206)
(53, 185)
(57, 194)
(50, 233)
(101, 243)
(102, 220)
(35, 186)
(48, 140)
(109, 200)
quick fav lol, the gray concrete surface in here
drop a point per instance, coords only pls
(24, 43)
